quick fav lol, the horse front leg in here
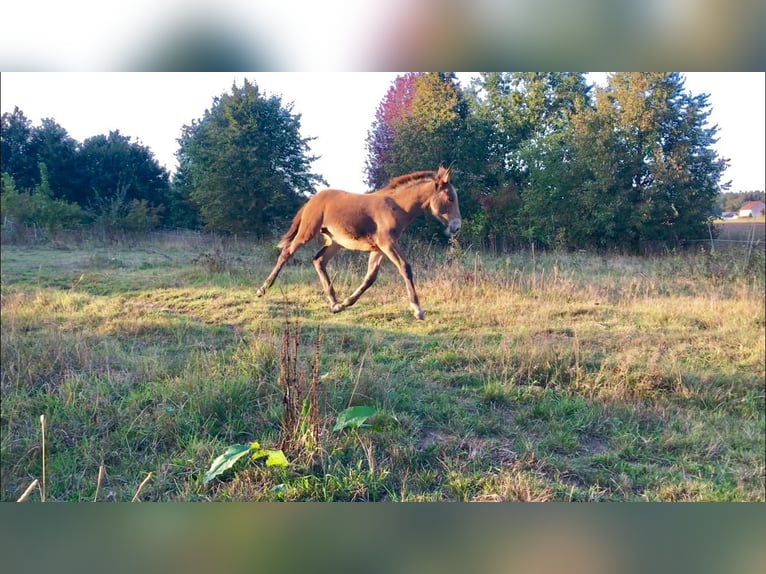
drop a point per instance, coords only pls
(406, 272)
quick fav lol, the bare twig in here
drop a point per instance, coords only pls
(98, 481)
(358, 375)
(42, 486)
(140, 486)
(28, 491)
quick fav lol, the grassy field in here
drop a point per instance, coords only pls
(534, 377)
(743, 230)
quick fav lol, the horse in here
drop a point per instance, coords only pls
(370, 222)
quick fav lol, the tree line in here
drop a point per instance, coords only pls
(732, 201)
(51, 180)
(547, 158)
(550, 158)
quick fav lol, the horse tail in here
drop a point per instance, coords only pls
(293, 231)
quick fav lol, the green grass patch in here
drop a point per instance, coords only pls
(546, 377)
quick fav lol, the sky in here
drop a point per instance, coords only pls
(336, 108)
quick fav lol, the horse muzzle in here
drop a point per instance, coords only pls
(453, 226)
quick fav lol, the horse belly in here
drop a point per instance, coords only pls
(350, 225)
(354, 243)
(351, 237)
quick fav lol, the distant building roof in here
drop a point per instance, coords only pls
(752, 205)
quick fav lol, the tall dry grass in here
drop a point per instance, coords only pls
(535, 376)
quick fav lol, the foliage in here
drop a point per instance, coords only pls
(274, 457)
(18, 155)
(244, 163)
(732, 201)
(353, 417)
(37, 207)
(521, 110)
(394, 107)
(636, 168)
(115, 212)
(85, 174)
(115, 166)
(544, 158)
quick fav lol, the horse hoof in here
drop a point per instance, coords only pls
(418, 315)
(259, 292)
(337, 308)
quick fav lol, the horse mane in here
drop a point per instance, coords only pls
(407, 178)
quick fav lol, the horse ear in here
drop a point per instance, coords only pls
(443, 174)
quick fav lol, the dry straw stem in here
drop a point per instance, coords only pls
(29, 490)
(140, 486)
(358, 375)
(98, 481)
(42, 486)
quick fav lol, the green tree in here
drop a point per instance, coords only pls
(395, 106)
(16, 154)
(635, 170)
(429, 133)
(25, 147)
(523, 114)
(52, 146)
(244, 163)
(424, 121)
(118, 170)
(575, 193)
(111, 176)
(38, 207)
(182, 211)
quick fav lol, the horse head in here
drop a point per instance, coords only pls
(444, 203)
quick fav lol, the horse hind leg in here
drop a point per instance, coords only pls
(320, 264)
(284, 256)
(373, 266)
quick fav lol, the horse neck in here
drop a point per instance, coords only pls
(413, 198)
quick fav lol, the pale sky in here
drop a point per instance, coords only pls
(336, 108)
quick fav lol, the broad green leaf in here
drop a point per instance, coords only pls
(273, 457)
(225, 461)
(276, 458)
(353, 417)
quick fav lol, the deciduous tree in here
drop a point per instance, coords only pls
(245, 164)
(637, 170)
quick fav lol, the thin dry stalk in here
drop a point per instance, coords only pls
(313, 393)
(140, 486)
(42, 487)
(576, 350)
(98, 481)
(29, 490)
(358, 375)
(301, 414)
(289, 380)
